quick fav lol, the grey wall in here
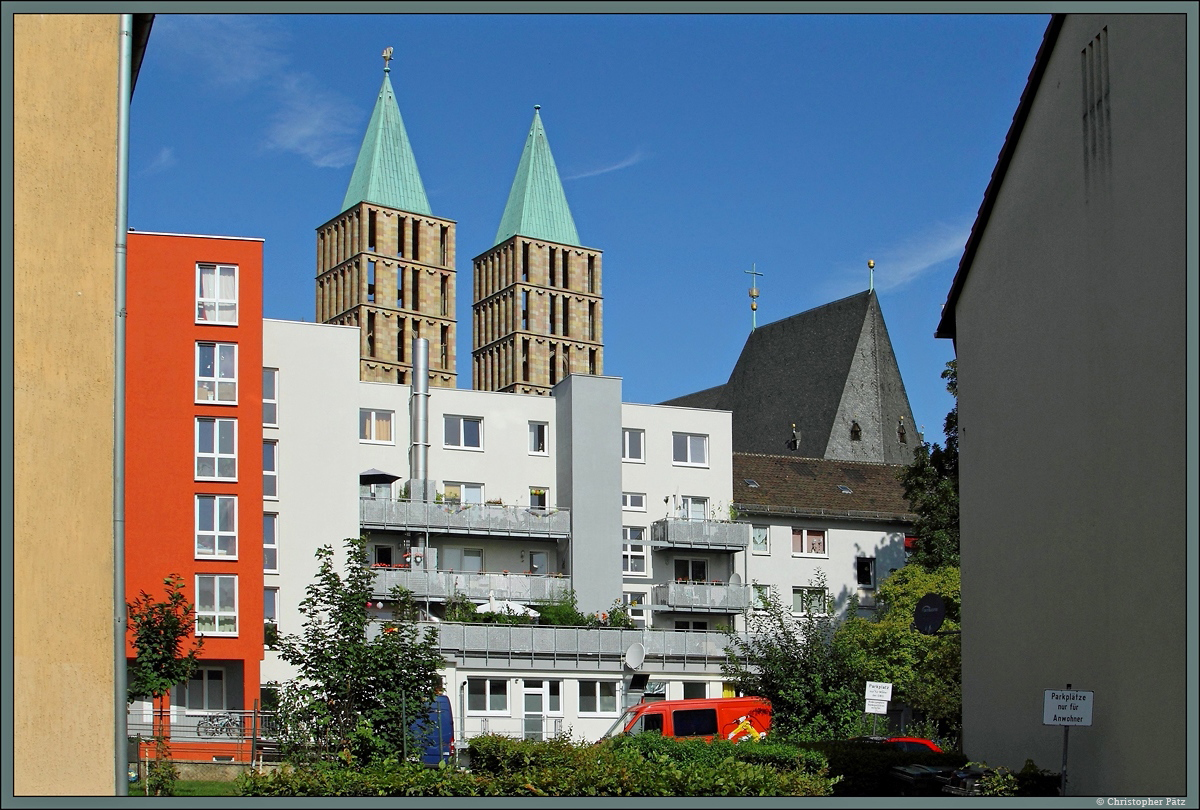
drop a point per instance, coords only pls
(588, 432)
(1072, 365)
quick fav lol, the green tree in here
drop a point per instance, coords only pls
(799, 666)
(925, 671)
(164, 658)
(360, 683)
(931, 488)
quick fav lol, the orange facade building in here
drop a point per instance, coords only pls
(194, 465)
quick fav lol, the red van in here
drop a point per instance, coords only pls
(707, 718)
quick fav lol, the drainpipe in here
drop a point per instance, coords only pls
(120, 676)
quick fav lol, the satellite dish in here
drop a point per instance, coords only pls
(929, 614)
(635, 655)
(735, 579)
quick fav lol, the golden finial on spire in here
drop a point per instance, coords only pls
(753, 296)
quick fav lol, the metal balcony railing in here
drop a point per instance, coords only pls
(441, 585)
(711, 535)
(465, 518)
(702, 597)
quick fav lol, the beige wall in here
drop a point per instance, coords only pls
(1072, 365)
(65, 138)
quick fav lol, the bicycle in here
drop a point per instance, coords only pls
(214, 725)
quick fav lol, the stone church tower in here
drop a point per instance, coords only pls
(386, 264)
(537, 306)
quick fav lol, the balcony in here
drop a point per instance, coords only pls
(702, 597)
(494, 520)
(708, 535)
(440, 585)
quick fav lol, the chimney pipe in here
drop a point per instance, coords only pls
(420, 487)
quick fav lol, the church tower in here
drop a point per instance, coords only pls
(386, 264)
(537, 307)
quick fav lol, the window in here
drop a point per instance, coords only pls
(381, 555)
(760, 540)
(691, 626)
(855, 432)
(270, 469)
(633, 501)
(809, 600)
(216, 526)
(457, 492)
(690, 449)
(633, 551)
(216, 449)
(216, 293)
(694, 722)
(216, 373)
(692, 508)
(537, 497)
(270, 605)
(597, 697)
(464, 432)
(463, 560)
(487, 695)
(687, 570)
(694, 689)
(270, 397)
(216, 605)
(206, 690)
(808, 542)
(865, 569)
(635, 605)
(537, 438)
(270, 542)
(762, 597)
(633, 445)
(375, 427)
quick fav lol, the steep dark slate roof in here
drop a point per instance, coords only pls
(790, 485)
(802, 370)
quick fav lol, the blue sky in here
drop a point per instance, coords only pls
(691, 148)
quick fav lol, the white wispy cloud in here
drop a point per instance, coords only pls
(226, 49)
(901, 264)
(637, 157)
(164, 160)
(312, 122)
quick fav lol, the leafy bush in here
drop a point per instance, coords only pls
(865, 768)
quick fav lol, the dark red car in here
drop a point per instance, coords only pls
(904, 743)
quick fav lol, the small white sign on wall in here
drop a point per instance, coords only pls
(1067, 707)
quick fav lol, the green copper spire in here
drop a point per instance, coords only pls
(386, 171)
(537, 206)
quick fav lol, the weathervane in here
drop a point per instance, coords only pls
(753, 296)
(387, 57)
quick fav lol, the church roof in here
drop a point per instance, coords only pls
(386, 171)
(823, 371)
(537, 206)
(788, 485)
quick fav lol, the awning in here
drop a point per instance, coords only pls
(374, 476)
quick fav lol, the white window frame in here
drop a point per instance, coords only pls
(690, 504)
(629, 501)
(218, 303)
(765, 533)
(691, 564)
(271, 540)
(457, 441)
(201, 673)
(216, 382)
(271, 401)
(368, 421)
(548, 688)
(216, 455)
(218, 611)
(631, 537)
(463, 487)
(488, 694)
(271, 469)
(595, 694)
(864, 586)
(809, 591)
(635, 605)
(271, 600)
(212, 505)
(626, 455)
(693, 445)
(444, 559)
(805, 543)
(539, 433)
(760, 596)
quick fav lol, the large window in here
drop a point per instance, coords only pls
(456, 492)
(809, 601)
(216, 373)
(216, 526)
(205, 691)
(487, 695)
(375, 427)
(463, 560)
(216, 449)
(689, 449)
(760, 540)
(690, 570)
(597, 697)
(216, 293)
(633, 501)
(809, 543)
(270, 542)
(464, 432)
(538, 438)
(865, 571)
(270, 469)
(693, 508)
(633, 551)
(216, 605)
(633, 445)
(270, 397)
